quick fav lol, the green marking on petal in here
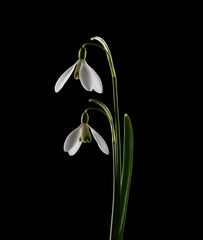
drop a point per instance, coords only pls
(86, 136)
(87, 139)
(77, 69)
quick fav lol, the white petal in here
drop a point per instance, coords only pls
(98, 87)
(100, 141)
(90, 79)
(72, 143)
(64, 77)
(75, 148)
(86, 77)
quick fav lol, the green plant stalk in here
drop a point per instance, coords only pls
(118, 208)
(115, 102)
(107, 113)
(115, 203)
(115, 220)
(116, 187)
(117, 167)
(117, 159)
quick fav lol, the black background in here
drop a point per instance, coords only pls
(49, 193)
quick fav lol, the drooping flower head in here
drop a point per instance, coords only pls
(87, 76)
(82, 135)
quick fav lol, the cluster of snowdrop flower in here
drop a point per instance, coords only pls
(90, 81)
(122, 160)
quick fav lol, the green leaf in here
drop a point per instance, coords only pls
(126, 172)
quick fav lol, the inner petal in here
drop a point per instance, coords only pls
(85, 135)
(77, 69)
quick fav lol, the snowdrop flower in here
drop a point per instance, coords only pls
(82, 135)
(88, 77)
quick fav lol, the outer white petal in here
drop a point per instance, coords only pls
(98, 87)
(64, 77)
(86, 77)
(75, 148)
(100, 141)
(90, 79)
(72, 143)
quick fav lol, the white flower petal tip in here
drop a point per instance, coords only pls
(64, 77)
(74, 149)
(100, 141)
(90, 79)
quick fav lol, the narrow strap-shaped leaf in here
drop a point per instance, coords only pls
(126, 172)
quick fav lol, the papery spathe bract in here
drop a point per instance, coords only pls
(82, 135)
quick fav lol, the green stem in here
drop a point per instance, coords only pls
(116, 146)
(116, 187)
(97, 109)
(96, 45)
(107, 114)
(115, 220)
(117, 124)
(117, 164)
(115, 97)
(115, 203)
